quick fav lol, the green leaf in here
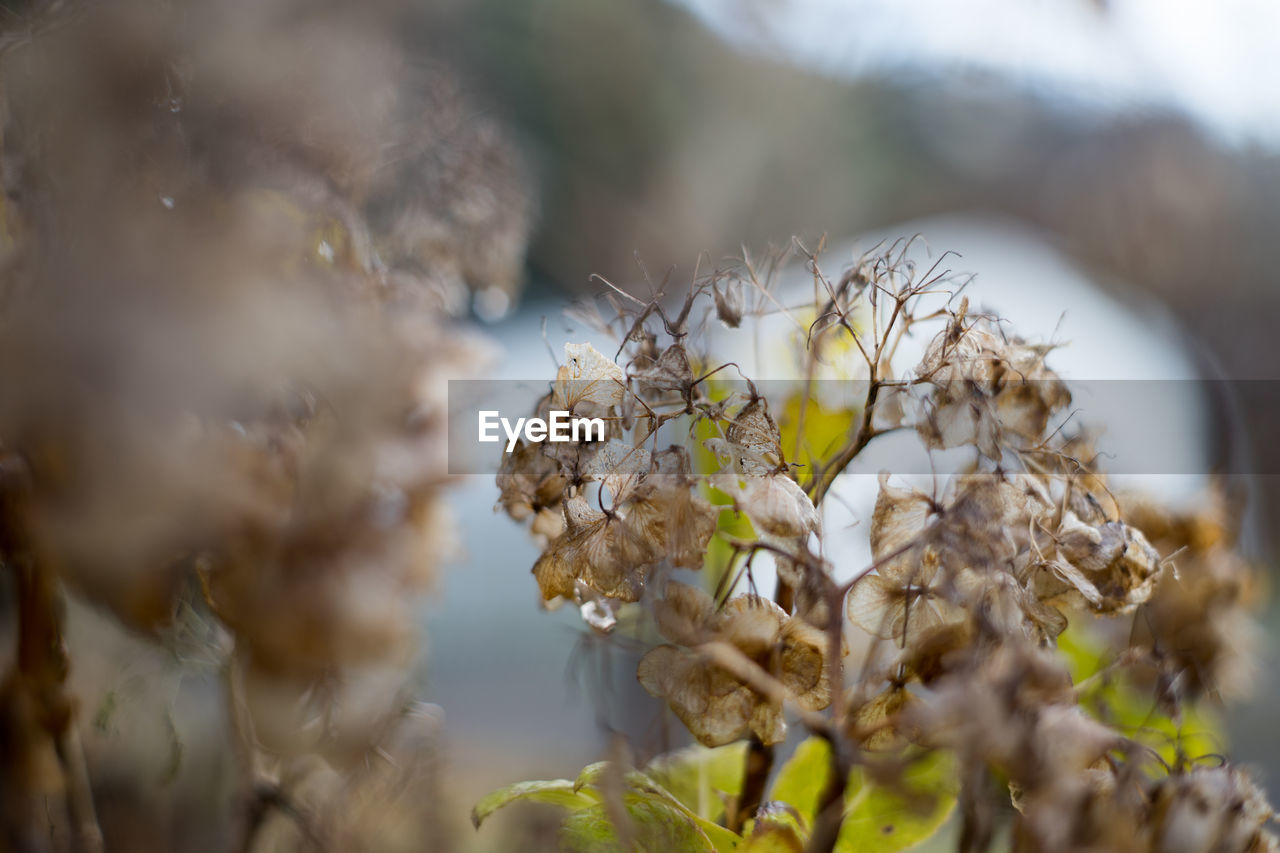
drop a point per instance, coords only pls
(772, 840)
(641, 784)
(1114, 698)
(722, 840)
(590, 775)
(884, 819)
(803, 778)
(776, 829)
(556, 792)
(656, 826)
(701, 778)
(825, 429)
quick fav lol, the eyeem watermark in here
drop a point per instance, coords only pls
(560, 426)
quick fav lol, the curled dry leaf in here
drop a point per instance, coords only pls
(1110, 566)
(729, 303)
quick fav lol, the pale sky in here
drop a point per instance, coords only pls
(1215, 61)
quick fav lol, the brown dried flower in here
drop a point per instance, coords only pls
(717, 706)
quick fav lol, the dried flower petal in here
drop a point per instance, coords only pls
(777, 506)
(755, 439)
(785, 647)
(587, 376)
(670, 372)
(600, 550)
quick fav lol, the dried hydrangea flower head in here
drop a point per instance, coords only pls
(987, 391)
(982, 590)
(717, 706)
(1199, 615)
(653, 518)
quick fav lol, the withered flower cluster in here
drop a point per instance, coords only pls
(627, 514)
(233, 235)
(715, 705)
(955, 629)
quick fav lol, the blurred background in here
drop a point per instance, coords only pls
(1131, 144)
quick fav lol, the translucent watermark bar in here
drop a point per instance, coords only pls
(1132, 426)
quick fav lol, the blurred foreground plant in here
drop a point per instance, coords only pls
(1026, 647)
(233, 235)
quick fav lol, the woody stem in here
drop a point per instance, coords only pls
(759, 763)
(824, 477)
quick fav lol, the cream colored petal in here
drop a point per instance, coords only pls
(726, 719)
(619, 466)
(899, 519)
(548, 523)
(777, 506)
(868, 605)
(755, 438)
(673, 521)
(685, 614)
(678, 676)
(588, 376)
(768, 723)
(752, 623)
(802, 665)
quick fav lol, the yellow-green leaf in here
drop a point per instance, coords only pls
(884, 819)
(701, 778)
(642, 785)
(556, 792)
(803, 778)
(1132, 710)
(655, 826)
(776, 829)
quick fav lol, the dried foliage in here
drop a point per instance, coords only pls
(1015, 616)
(233, 236)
